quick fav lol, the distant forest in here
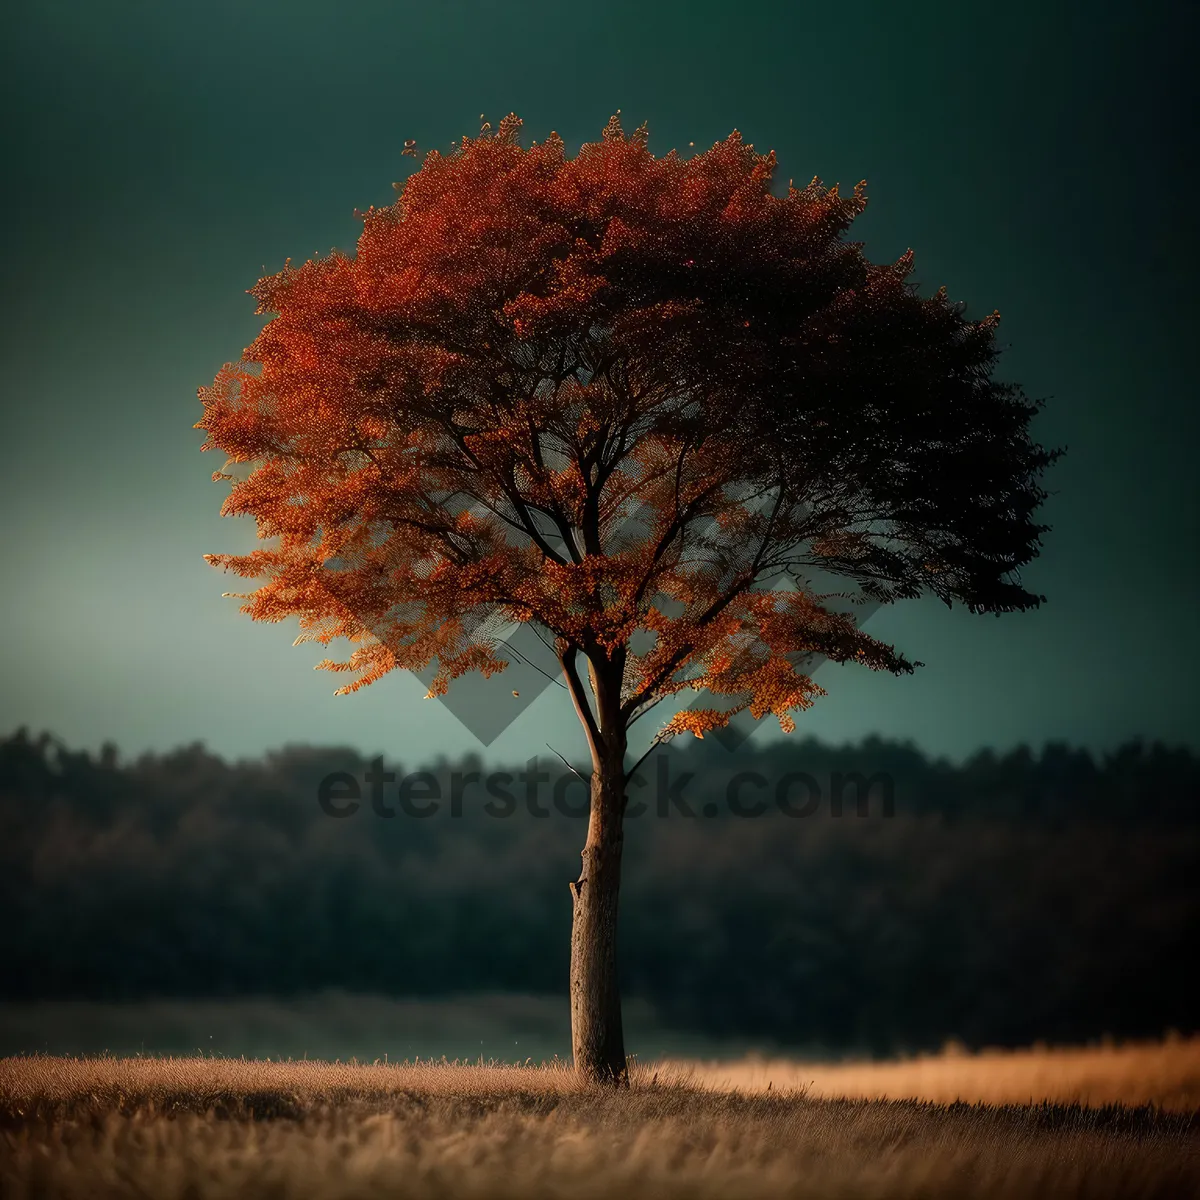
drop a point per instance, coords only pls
(1044, 895)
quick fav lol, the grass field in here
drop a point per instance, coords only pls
(1105, 1122)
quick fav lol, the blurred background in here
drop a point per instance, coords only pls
(179, 902)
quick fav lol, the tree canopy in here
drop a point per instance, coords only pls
(640, 402)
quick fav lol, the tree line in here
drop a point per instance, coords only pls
(1036, 894)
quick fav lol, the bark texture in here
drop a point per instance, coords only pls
(597, 1038)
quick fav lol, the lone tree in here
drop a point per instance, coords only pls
(640, 402)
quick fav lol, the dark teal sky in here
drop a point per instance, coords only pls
(1038, 158)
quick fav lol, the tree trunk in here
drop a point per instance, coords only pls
(597, 1041)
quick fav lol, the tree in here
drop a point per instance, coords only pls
(640, 403)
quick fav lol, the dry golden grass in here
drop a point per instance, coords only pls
(203, 1129)
(1165, 1074)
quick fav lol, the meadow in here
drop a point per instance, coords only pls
(1108, 1121)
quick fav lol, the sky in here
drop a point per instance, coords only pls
(160, 158)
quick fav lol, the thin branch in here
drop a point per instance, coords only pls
(582, 707)
(668, 669)
(586, 779)
(534, 627)
(526, 659)
(659, 740)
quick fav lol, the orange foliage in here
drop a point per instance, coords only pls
(624, 397)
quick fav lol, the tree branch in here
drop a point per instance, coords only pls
(582, 707)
